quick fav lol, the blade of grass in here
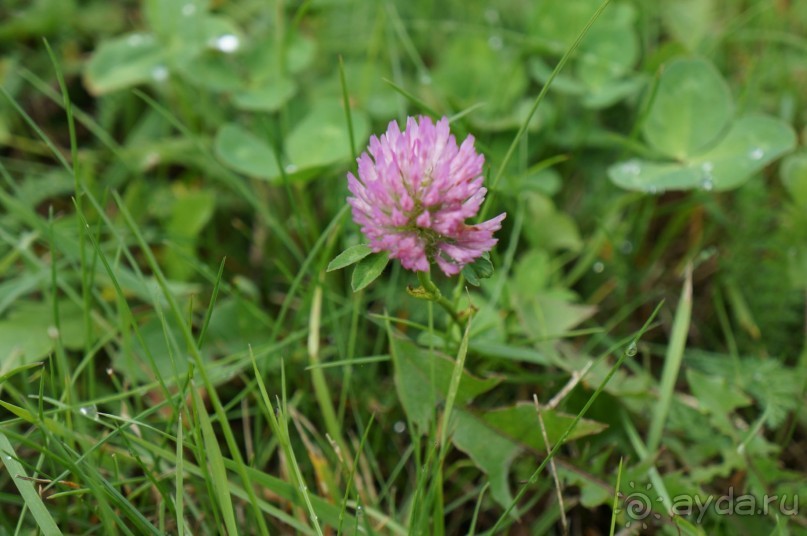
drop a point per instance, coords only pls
(218, 473)
(32, 499)
(672, 365)
(193, 349)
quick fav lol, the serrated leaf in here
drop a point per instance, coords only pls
(480, 269)
(368, 269)
(245, 153)
(351, 255)
(691, 107)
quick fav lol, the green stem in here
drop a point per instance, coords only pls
(436, 296)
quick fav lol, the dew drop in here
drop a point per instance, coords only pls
(626, 247)
(188, 9)
(495, 42)
(399, 427)
(598, 267)
(492, 15)
(425, 79)
(707, 184)
(631, 350)
(227, 43)
(707, 167)
(159, 73)
(138, 39)
(290, 168)
(91, 411)
(303, 488)
(756, 153)
(631, 167)
(53, 332)
(8, 457)
(359, 511)
(651, 190)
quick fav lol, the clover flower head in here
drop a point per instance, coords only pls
(415, 190)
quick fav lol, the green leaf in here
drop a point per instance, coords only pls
(752, 143)
(351, 255)
(716, 395)
(495, 438)
(422, 379)
(520, 423)
(123, 62)
(691, 107)
(793, 172)
(245, 153)
(480, 269)
(268, 98)
(490, 452)
(368, 269)
(319, 139)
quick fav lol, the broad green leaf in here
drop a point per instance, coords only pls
(520, 423)
(422, 379)
(691, 107)
(28, 331)
(495, 438)
(368, 269)
(351, 255)
(320, 139)
(268, 98)
(551, 228)
(490, 452)
(793, 172)
(124, 62)
(175, 19)
(609, 51)
(752, 143)
(190, 212)
(688, 21)
(550, 313)
(246, 153)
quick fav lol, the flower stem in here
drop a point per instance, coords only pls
(433, 293)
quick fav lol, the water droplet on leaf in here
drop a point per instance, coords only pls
(159, 73)
(495, 42)
(399, 427)
(756, 153)
(91, 411)
(598, 267)
(227, 43)
(188, 9)
(631, 350)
